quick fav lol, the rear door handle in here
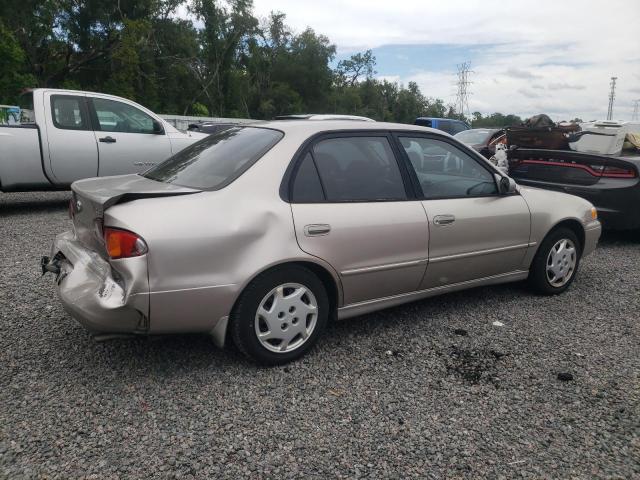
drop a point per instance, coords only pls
(444, 219)
(107, 140)
(317, 229)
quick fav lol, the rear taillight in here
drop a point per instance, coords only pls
(123, 244)
(618, 172)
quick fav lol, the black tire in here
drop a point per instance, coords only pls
(243, 317)
(538, 279)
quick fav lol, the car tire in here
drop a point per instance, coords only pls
(556, 262)
(280, 315)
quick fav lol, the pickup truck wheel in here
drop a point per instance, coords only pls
(556, 263)
(280, 315)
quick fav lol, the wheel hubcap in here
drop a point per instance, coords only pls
(286, 317)
(561, 262)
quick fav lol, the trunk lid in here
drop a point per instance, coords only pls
(91, 197)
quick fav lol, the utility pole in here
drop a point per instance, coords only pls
(462, 96)
(636, 109)
(612, 96)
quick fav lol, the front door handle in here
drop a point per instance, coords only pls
(317, 229)
(107, 140)
(443, 219)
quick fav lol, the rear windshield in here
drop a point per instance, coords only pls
(217, 160)
(473, 137)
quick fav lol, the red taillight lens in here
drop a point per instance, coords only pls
(618, 172)
(123, 244)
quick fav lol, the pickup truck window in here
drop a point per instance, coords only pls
(27, 114)
(115, 116)
(69, 112)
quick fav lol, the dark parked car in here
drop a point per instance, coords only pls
(209, 127)
(612, 184)
(481, 140)
(445, 124)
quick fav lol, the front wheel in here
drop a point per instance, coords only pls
(556, 263)
(280, 315)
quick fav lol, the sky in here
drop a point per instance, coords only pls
(527, 57)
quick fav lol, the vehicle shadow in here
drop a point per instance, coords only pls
(611, 237)
(32, 202)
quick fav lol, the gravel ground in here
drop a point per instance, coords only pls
(432, 389)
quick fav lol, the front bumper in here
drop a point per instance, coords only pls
(592, 232)
(104, 298)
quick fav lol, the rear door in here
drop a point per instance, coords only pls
(474, 231)
(73, 153)
(126, 138)
(352, 209)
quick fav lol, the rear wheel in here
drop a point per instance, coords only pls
(556, 263)
(280, 315)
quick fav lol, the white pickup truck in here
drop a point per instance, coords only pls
(66, 135)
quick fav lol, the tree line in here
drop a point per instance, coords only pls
(221, 61)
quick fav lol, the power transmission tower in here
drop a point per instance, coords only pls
(612, 96)
(636, 109)
(462, 96)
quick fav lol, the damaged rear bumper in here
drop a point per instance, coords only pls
(104, 297)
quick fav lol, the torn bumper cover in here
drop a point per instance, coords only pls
(104, 298)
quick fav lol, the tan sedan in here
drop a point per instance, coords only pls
(263, 233)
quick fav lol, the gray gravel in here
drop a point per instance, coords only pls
(430, 390)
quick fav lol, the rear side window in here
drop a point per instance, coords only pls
(458, 127)
(69, 112)
(217, 160)
(306, 185)
(444, 125)
(358, 169)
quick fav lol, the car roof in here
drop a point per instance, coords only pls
(305, 127)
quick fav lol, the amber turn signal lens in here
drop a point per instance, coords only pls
(594, 213)
(123, 244)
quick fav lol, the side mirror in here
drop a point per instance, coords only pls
(507, 185)
(157, 128)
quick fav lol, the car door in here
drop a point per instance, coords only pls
(69, 138)
(129, 139)
(474, 232)
(351, 208)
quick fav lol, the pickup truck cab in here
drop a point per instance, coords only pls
(68, 135)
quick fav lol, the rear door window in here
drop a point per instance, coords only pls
(358, 169)
(216, 160)
(70, 112)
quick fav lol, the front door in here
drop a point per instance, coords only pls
(474, 231)
(126, 138)
(351, 209)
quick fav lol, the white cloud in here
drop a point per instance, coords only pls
(554, 43)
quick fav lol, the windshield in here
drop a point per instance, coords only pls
(217, 160)
(475, 136)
